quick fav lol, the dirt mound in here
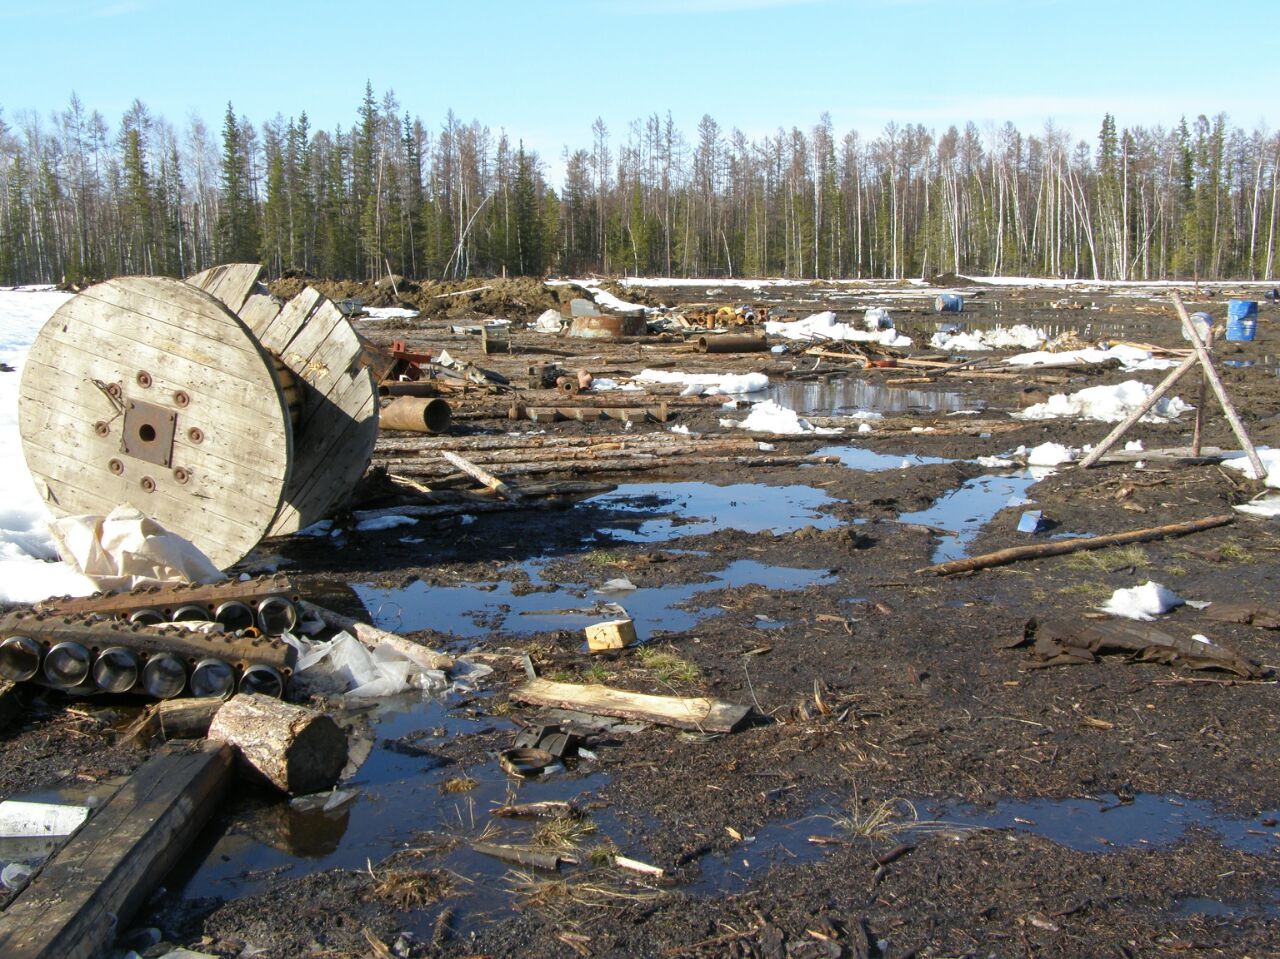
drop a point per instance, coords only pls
(517, 298)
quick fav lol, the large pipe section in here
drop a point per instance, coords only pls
(416, 414)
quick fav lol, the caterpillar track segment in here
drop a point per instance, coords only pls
(267, 603)
(91, 653)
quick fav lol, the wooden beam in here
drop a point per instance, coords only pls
(97, 882)
(705, 715)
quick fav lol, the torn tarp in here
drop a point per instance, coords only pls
(1059, 642)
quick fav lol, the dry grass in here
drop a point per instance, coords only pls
(1106, 560)
(595, 890)
(565, 832)
(667, 666)
(410, 889)
(879, 820)
(459, 784)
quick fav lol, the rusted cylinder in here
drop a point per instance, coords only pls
(416, 414)
(733, 343)
(567, 385)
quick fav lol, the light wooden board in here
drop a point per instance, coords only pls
(232, 283)
(338, 423)
(95, 884)
(188, 342)
(705, 715)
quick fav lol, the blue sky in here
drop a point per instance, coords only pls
(545, 69)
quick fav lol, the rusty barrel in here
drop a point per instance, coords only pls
(416, 414)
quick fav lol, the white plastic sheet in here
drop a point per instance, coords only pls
(125, 549)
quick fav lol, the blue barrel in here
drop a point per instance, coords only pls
(1242, 309)
(1241, 329)
(948, 303)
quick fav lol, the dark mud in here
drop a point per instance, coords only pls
(965, 804)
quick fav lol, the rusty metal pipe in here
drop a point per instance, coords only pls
(732, 343)
(416, 414)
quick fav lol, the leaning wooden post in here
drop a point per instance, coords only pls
(1219, 390)
(1101, 449)
(1204, 389)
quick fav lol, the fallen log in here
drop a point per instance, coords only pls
(485, 478)
(172, 719)
(523, 855)
(100, 879)
(372, 636)
(699, 713)
(297, 750)
(617, 465)
(1061, 547)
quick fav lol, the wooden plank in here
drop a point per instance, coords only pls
(705, 715)
(97, 882)
(337, 428)
(259, 310)
(232, 283)
(10, 703)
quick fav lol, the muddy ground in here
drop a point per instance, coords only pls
(965, 803)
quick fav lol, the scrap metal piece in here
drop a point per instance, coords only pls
(148, 432)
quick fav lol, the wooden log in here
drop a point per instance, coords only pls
(100, 879)
(683, 712)
(1124, 426)
(10, 703)
(1061, 547)
(632, 464)
(372, 636)
(297, 750)
(484, 476)
(523, 855)
(172, 719)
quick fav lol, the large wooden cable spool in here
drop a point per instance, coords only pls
(149, 392)
(337, 420)
(207, 405)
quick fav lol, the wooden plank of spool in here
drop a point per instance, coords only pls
(220, 479)
(232, 283)
(337, 423)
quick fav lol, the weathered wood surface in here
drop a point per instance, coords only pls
(97, 882)
(1063, 546)
(337, 423)
(483, 476)
(297, 750)
(683, 712)
(232, 283)
(186, 342)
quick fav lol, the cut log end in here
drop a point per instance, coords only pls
(295, 749)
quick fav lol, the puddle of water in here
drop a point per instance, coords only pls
(870, 461)
(666, 511)
(401, 805)
(1091, 826)
(964, 511)
(848, 394)
(472, 612)
(1081, 824)
(1196, 906)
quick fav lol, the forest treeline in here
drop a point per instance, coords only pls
(79, 200)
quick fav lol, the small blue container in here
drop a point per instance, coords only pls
(949, 303)
(1242, 309)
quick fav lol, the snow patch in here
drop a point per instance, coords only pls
(1109, 404)
(1143, 602)
(823, 326)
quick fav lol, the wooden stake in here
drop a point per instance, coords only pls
(1061, 547)
(705, 715)
(1228, 408)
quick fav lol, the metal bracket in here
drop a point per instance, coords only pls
(148, 432)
